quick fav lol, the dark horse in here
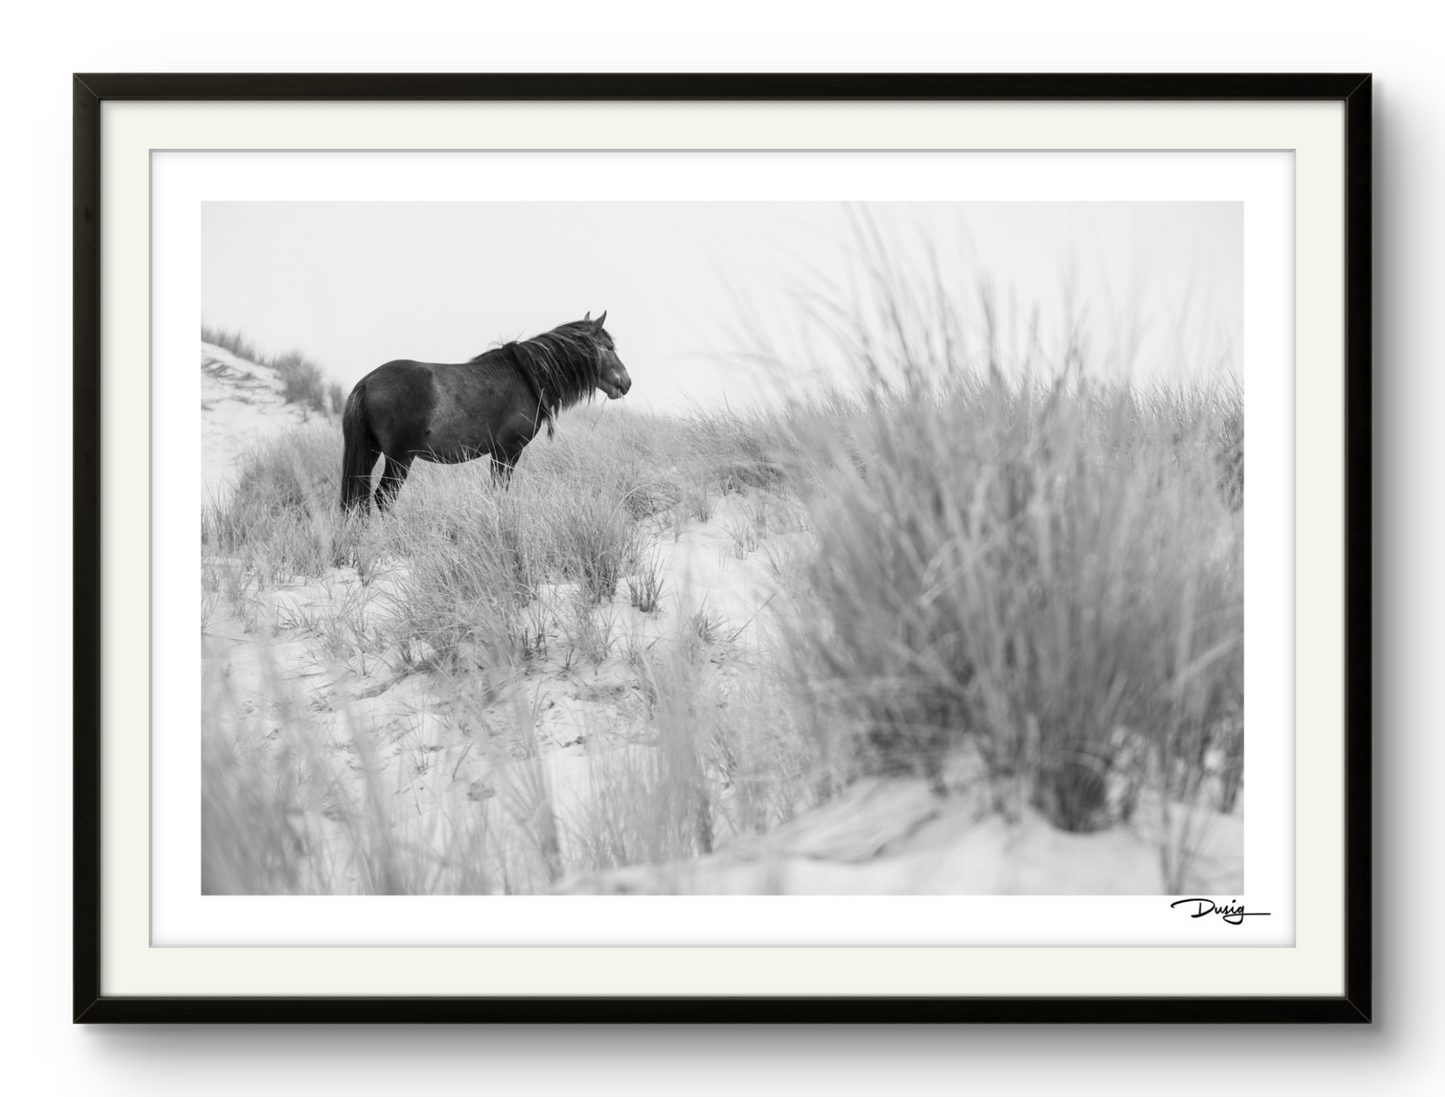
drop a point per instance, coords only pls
(495, 404)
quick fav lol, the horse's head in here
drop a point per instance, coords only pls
(612, 375)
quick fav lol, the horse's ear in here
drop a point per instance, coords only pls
(588, 317)
(597, 324)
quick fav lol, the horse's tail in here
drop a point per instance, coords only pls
(358, 453)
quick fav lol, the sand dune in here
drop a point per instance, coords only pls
(241, 404)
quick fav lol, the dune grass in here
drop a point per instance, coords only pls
(302, 380)
(1047, 578)
(234, 341)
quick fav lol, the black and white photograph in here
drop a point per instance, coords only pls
(639, 548)
(745, 559)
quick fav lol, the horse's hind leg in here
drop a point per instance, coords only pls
(393, 475)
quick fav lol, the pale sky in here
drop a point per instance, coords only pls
(686, 285)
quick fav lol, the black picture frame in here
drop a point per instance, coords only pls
(90, 91)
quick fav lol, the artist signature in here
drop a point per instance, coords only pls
(1233, 913)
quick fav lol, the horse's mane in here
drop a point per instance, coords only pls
(562, 366)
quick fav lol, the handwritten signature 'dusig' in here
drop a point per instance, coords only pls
(1232, 912)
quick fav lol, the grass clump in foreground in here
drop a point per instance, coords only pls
(1047, 579)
